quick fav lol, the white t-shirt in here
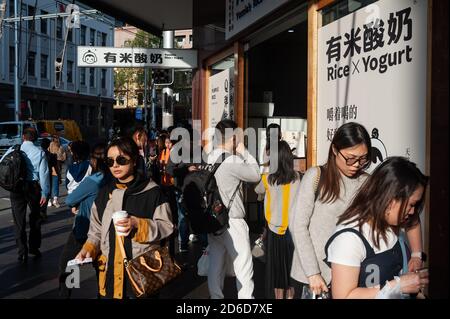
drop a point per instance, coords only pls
(348, 249)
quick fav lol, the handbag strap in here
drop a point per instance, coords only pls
(122, 250)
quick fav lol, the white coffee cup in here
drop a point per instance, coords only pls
(120, 215)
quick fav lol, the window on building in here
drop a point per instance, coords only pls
(59, 28)
(104, 37)
(103, 78)
(84, 114)
(44, 66)
(140, 98)
(121, 100)
(179, 40)
(31, 63)
(70, 35)
(31, 23)
(11, 8)
(103, 110)
(69, 112)
(83, 35)
(69, 71)
(190, 38)
(82, 76)
(91, 37)
(92, 77)
(44, 109)
(12, 59)
(44, 28)
(59, 110)
(91, 117)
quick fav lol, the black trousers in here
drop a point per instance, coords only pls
(169, 191)
(19, 201)
(70, 251)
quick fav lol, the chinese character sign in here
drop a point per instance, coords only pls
(240, 14)
(221, 97)
(136, 57)
(372, 69)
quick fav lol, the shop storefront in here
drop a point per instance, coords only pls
(312, 66)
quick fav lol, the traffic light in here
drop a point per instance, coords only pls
(162, 76)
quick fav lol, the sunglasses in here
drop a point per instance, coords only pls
(120, 160)
(362, 161)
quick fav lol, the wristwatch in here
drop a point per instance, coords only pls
(419, 254)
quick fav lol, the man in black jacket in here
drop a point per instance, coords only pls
(179, 171)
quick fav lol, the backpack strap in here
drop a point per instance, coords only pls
(234, 195)
(369, 250)
(318, 182)
(216, 166)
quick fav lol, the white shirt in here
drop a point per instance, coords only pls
(348, 249)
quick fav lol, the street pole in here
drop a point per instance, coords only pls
(145, 97)
(153, 124)
(167, 112)
(16, 64)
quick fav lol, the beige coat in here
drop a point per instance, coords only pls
(156, 229)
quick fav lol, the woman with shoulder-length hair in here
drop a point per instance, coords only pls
(365, 252)
(281, 189)
(149, 220)
(325, 193)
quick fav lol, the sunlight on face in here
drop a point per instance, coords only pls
(357, 152)
(395, 217)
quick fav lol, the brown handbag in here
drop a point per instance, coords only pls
(150, 271)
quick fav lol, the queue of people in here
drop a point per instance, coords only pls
(325, 232)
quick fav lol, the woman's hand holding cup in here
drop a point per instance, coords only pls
(123, 223)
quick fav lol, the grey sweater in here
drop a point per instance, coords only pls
(228, 176)
(314, 224)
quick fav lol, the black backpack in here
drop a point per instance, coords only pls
(203, 204)
(13, 170)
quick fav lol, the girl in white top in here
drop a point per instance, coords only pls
(365, 253)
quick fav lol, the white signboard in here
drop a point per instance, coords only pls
(242, 13)
(136, 57)
(373, 70)
(221, 97)
(296, 141)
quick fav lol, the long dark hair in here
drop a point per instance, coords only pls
(285, 173)
(98, 158)
(348, 135)
(395, 179)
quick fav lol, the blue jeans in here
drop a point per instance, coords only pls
(55, 186)
(183, 227)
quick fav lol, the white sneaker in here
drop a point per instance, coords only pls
(193, 238)
(49, 203)
(55, 203)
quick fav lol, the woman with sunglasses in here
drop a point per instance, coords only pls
(365, 252)
(149, 220)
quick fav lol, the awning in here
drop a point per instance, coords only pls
(152, 16)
